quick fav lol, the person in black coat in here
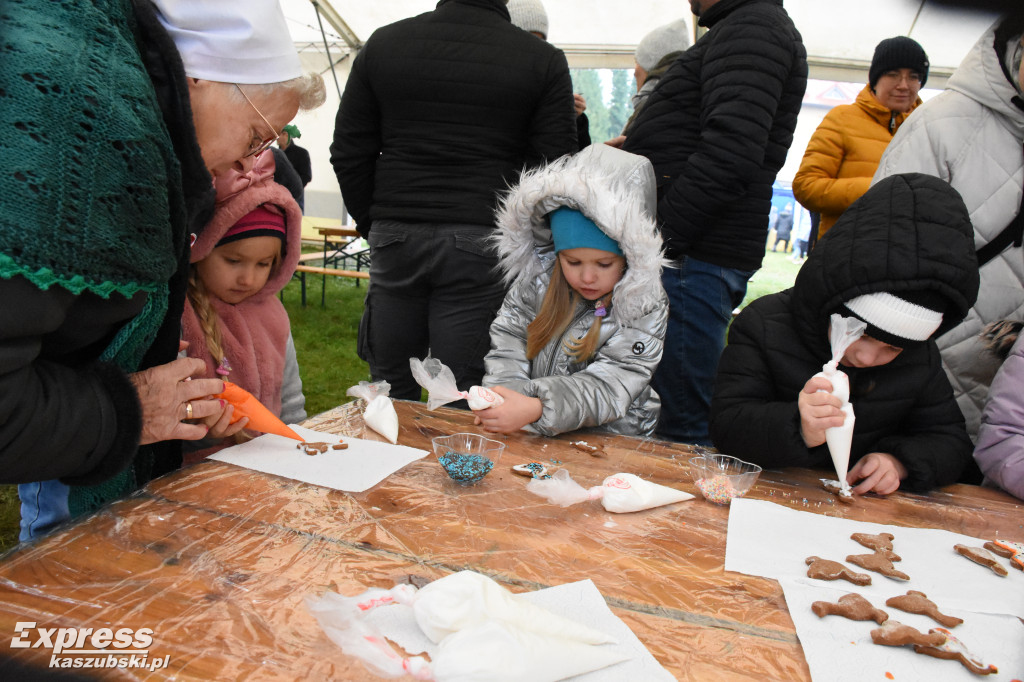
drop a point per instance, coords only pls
(901, 259)
(717, 128)
(440, 114)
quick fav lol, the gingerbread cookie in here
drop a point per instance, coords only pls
(313, 448)
(879, 563)
(852, 606)
(826, 569)
(894, 633)
(982, 556)
(836, 488)
(954, 649)
(592, 450)
(919, 603)
(879, 542)
(1014, 551)
(531, 470)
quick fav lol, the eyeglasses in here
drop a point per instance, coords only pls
(264, 144)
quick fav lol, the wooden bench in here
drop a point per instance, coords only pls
(302, 270)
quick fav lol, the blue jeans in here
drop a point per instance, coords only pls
(44, 506)
(701, 298)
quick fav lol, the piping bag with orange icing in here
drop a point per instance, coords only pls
(260, 418)
(842, 332)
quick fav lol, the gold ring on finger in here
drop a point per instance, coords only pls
(188, 410)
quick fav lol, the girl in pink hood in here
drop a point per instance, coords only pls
(233, 319)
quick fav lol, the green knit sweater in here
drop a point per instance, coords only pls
(91, 194)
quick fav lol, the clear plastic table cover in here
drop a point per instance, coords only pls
(216, 559)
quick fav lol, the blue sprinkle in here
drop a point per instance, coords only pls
(463, 468)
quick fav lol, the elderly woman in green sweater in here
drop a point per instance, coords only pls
(120, 117)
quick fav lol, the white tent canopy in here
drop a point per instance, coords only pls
(840, 37)
(838, 34)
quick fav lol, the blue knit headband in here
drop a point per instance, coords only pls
(572, 230)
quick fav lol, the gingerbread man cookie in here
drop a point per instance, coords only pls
(826, 569)
(982, 556)
(881, 542)
(531, 470)
(1014, 551)
(852, 606)
(954, 649)
(878, 562)
(919, 603)
(894, 633)
(834, 487)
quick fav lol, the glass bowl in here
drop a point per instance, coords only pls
(467, 457)
(721, 478)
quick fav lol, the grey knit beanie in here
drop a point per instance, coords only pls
(529, 15)
(900, 52)
(671, 37)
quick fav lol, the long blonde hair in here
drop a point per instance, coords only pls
(555, 316)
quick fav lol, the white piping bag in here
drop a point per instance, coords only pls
(438, 379)
(843, 331)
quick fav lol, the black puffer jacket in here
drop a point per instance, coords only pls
(443, 110)
(908, 233)
(717, 128)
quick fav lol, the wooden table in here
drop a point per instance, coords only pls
(217, 559)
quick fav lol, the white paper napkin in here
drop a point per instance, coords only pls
(364, 464)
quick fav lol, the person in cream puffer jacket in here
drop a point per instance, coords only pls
(972, 136)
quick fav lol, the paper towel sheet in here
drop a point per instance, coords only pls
(363, 465)
(580, 601)
(770, 540)
(838, 649)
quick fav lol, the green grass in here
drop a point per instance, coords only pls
(325, 341)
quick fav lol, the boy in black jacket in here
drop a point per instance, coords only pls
(902, 260)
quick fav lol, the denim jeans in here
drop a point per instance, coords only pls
(701, 298)
(44, 506)
(433, 288)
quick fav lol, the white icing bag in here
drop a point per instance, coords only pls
(380, 413)
(439, 382)
(620, 493)
(842, 332)
(483, 632)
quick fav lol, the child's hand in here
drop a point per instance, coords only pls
(220, 424)
(819, 410)
(877, 472)
(516, 412)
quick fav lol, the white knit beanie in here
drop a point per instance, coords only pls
(231, 41)
(896, 317)
(529, 15)
(671, 37)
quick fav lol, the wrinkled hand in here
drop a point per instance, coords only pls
(579, 103)
(164, 394)
(516, 412)
(220, 425)
(819, 410)
(877, 472)
(616, 142)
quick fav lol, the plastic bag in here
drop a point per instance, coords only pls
(380, 413)
(843, 331)
(620, 493)
(260, 418)
(439, 382)
(484, 633)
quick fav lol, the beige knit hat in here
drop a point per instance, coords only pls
(529, 15)
(671, 37)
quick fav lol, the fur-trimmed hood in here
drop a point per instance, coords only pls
(613, 188)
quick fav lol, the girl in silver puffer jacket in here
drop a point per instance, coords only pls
(582, 328)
